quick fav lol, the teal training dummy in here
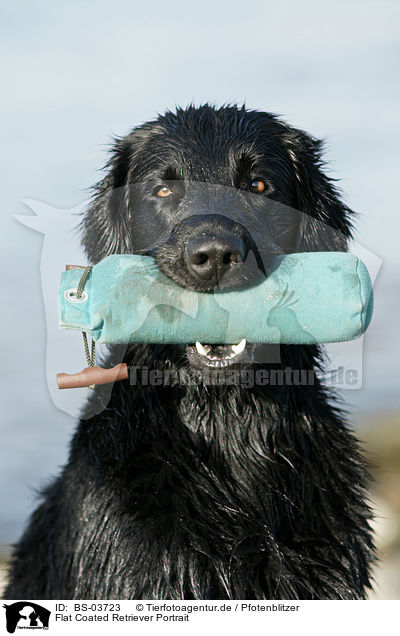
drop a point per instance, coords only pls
(307, 298)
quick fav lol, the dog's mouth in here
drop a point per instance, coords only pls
(218, 356)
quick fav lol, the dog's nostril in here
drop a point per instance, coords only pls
(199, 258)
(232, 257)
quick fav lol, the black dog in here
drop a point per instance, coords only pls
(195, 490)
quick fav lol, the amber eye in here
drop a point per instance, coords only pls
(163, 192)
(258, 186)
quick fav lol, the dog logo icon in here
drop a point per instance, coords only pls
(26, 615)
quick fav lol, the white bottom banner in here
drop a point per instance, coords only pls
(193, 617)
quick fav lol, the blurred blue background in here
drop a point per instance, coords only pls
(73, 74)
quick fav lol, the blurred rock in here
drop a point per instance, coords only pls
(380, 437)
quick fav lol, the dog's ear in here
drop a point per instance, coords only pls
(325, 222)
(105, 227)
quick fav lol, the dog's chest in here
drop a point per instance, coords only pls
(151, 536)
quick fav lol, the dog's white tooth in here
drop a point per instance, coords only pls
(239, 347)
(200, 349)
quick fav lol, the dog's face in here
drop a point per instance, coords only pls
(213, 195)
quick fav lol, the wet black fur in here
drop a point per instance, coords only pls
(195, 491)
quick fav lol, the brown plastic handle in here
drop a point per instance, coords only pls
(92, 375)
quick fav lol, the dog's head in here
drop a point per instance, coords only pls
(213, 195)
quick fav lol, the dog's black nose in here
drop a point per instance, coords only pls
(210, 257)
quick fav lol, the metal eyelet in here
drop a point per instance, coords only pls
(71, 296)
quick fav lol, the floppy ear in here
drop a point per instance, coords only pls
(105, 227)
(325, 221)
